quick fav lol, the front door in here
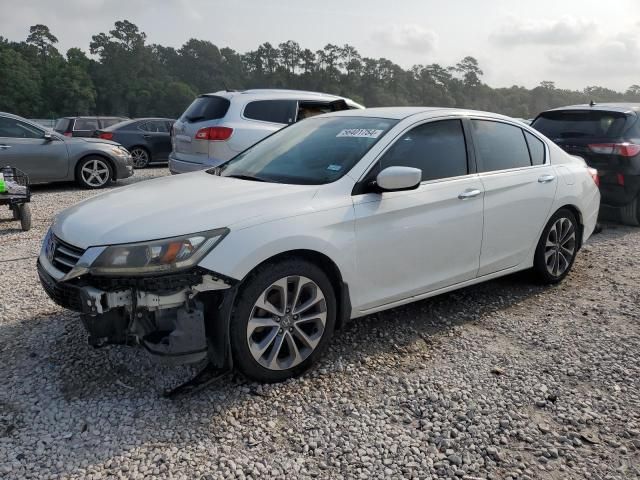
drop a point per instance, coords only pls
(413, 242)
(23, 146)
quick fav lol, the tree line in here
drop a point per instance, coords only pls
(127, 76)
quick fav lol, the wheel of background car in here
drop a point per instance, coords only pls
(24, 212)
(283, 320)
(94, 172)
(629, 213)
(140, 157)
(557, 248)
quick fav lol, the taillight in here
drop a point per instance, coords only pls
(594, 175)
(623, 149)
(214, 134)
(68, 134)
(106, 135)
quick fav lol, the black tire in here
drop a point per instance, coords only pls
(24, 212)
(254, 286)
(88, 162)
(143, 159)
(629, 213)
(14, 212)
(540, 267)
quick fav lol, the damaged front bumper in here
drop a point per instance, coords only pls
(177, 317)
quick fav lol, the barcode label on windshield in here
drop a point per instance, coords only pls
(360, 133)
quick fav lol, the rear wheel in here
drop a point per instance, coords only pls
(283, 320)
(140, 157)
(557, 247)
(629, 213)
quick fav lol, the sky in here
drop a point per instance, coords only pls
(576, 43)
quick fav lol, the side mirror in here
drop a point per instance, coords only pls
(394, 179)
(48, 137)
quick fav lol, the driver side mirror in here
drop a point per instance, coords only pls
(48, 137)
(396, 179)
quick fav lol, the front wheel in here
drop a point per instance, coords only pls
(629, 213)
(94, 172)
(557, 247)
(283, 320)
(24, 213)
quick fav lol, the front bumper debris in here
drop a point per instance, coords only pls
(165, 314)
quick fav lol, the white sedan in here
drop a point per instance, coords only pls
(254, 264)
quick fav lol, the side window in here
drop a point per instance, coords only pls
(437, 148)
(311, 109)
(500, 146)
(12, 128)
(159, 126)
(274, 111)
(144, 127)
(83, 124)
(536, 149)
(108, 122)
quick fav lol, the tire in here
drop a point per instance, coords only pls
(629, 213)
(14, 212)
(555, 253)
(24, 212)
(140, 157)
(256, 333)
(98, 165)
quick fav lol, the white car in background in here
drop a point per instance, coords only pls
(255, 263)
(218, 126)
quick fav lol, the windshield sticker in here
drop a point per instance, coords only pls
(334, 167)
(360, 133)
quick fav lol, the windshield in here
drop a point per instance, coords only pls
(311, 152)
(579, 123)
(208, 107)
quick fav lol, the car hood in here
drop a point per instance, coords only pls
(178, 205)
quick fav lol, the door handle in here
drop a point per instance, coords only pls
(146, 136)
(469, 194)
(4, 147)
(546, 178)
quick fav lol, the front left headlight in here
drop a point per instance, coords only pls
(120, 151)
(157, 256)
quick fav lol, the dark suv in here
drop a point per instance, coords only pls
(84, 126)
(607, 136)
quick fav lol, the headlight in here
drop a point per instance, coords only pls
(157, 256)
(120, 151)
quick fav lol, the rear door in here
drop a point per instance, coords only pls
(157, 138)
(519, 189)
(23, 146)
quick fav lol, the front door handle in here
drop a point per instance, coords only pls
(4, 147)
(146, 136)
(469, 194)
(546, 178)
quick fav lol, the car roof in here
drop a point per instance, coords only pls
(276, 93)
(603, 107)
(400, 113)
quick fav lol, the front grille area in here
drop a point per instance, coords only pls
(64, 256)
(65, 295)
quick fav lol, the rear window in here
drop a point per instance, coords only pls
(62, 125)
(580, 123)
(108, 122)
(274, 111)
(206, 108)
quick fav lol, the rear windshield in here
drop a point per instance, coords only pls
(206, 108)
(580, 123)
(61, 125)
(108, 122)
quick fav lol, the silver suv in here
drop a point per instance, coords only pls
(218, 126)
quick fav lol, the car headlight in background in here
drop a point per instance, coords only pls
(157, 256)
(120, 151)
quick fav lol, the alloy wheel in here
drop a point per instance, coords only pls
(560, 246)
(286, 323)
(139, 157)
(95, 173)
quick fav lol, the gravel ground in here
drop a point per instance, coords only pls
(502, 380)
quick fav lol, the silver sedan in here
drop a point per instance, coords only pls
(45, 156)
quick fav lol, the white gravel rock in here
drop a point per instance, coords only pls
(501, 380)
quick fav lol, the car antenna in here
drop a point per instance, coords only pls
(592, 103)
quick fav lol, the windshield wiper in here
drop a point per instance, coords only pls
(247, 177)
